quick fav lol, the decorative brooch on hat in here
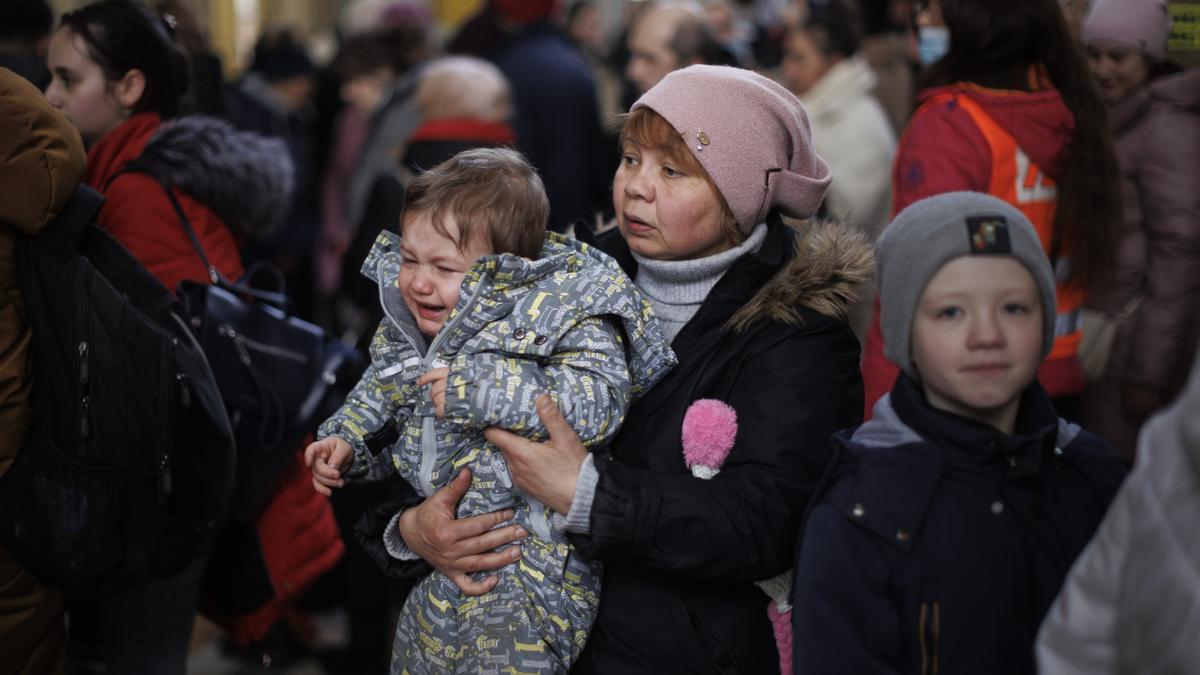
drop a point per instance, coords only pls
(703, 138)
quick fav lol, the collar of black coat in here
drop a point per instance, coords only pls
(815, 265)
(898, 458)
(971, 442)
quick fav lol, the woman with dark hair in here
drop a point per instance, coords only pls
(1154, 113)
(118, 76)
(1007, 108)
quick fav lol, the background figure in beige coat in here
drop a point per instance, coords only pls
(1132, 601)
(1155, 120)
(41, 162)
(823, 66)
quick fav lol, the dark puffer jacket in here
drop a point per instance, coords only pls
(941, 542)
(681, 554)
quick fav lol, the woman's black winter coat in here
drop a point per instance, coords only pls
(680, 553)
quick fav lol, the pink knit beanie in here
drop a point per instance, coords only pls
(1142, 24)
(750, 134)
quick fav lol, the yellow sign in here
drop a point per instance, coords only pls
(452, 13)
(1185, 27)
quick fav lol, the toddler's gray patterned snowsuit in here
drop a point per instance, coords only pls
(570, 324)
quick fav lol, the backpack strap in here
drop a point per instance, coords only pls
(213, 273)
(277, 298)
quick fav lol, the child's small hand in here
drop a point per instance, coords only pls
(328, 458)
(437, 393)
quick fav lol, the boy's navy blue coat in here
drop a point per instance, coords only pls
(940, 542)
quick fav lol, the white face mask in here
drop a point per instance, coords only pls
(932, 43)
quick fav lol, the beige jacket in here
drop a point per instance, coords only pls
(853, 135)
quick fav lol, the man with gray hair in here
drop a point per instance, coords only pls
(665, 37)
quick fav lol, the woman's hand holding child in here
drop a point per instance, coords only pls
(459, 546)
(547, 471)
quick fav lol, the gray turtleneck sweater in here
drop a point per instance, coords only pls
(675, 289)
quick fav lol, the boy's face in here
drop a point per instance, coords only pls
(977, 337)
(433, 268)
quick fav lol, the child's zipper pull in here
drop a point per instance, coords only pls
(83, 362)
(239, 342)
(164, 477)
(84, 426)
(243, 353)
(185, 390)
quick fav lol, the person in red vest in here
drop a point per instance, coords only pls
(1007, 108)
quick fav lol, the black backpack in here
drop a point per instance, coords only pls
(278, 375)
(128, 470)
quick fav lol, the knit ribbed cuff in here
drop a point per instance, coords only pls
(579, 519)
(394, 543)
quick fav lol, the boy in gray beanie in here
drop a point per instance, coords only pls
(953, 515)
(934, 232)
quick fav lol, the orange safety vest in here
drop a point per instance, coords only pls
(1020, 182)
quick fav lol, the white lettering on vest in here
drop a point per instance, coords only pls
(1032, 185)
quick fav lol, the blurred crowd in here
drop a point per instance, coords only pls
(402, 93)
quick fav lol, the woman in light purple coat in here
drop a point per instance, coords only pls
(1155, 119)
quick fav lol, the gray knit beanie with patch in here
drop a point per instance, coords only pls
(932, 232)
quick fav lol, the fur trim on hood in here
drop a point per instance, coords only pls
(829, 264)
(246, 178)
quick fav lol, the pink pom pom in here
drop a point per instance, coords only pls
(781, 624)
(709, 428)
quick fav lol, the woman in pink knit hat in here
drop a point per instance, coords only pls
(1154, 115)
(712, 159)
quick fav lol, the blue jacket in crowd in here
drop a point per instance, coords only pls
(940, 542)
